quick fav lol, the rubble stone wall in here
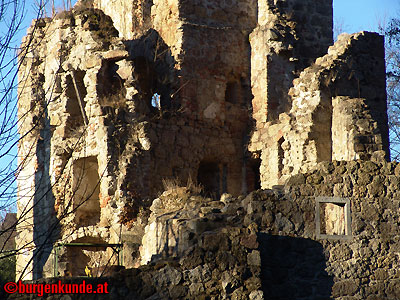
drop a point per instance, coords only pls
(267, 244)
(288, 37)
(117, 99)
(92, 100)
(129, 17)
(312, 129)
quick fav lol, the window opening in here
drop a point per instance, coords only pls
(155, 101)
(232, 92)
(86, 187)
(75, 93)
(87, 256)
(253, 174)
(111, 83)
(333, 218)
(208, 175)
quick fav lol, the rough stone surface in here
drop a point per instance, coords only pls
(215, 260)
(127, 107)
(326, 118)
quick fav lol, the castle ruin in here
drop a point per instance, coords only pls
(116, 97)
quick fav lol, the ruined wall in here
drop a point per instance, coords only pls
(34, 203)
(209, 44)
(330, 233)
(71, 157)
(117, 98)
(130, 17)
(289, 36)
(361, 264)
(332, 105)
(269, 243)
(216, 62)
(107, 145)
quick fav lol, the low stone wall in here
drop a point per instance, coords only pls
(361, 265)
(267, 245)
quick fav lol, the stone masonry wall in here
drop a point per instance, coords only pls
(289, 36)
(34, 204)
(116, 99)
(131, 18)
(312, 130)
(102, 140)
(267, 245)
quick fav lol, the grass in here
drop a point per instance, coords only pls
(177, 195)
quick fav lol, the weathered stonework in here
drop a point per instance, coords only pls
(332, 107)
(116, 99)
(265, 246)
(101, 117)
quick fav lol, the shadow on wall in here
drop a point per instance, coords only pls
(155, 71)
(46, 228)
(293, 268)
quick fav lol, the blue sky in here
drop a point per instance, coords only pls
(358, 15)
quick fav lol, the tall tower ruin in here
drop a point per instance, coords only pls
(117, 96)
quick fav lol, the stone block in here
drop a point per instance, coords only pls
(254, 259)
(345, 288)
(116, 54)
(249, 241)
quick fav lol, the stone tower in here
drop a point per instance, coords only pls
(117, 96)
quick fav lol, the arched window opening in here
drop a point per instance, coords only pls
(156, 101)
